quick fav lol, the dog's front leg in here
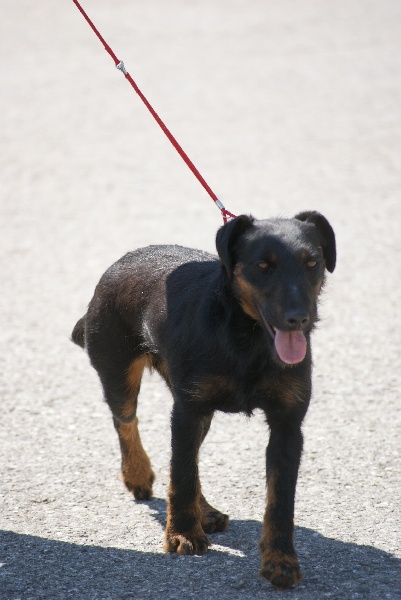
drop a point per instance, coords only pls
(283, 454)
(184, 533)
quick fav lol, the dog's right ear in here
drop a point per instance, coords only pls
(226, 238)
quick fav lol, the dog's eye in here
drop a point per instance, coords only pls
(264, 266)
(311, 264)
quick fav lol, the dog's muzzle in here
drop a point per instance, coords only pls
(290, 346)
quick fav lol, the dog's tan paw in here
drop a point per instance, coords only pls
(142, 490)
(212, 519)
(280, 569)
(186, 543)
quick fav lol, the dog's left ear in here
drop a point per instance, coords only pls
(226, 238)
(326, 233)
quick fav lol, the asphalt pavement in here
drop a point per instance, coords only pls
(283, 106)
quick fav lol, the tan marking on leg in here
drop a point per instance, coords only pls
(190, 541)
(136, 469)
(212, 519)
(270, 532)
(282, 570)
(133, 379)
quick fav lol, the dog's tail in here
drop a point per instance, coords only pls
(78, 333)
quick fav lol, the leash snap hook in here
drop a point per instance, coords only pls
(226, 214)
(120, 66)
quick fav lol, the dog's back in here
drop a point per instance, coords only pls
(137, 280)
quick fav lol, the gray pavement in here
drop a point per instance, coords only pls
(283, 106)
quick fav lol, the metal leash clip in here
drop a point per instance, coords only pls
(226, 214)
(121, 67)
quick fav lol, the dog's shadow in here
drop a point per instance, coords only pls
(33, 567)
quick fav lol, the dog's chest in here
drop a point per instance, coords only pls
(235, 392)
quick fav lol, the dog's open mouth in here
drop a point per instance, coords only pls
(290, 345)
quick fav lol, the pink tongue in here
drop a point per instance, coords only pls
(290, 346)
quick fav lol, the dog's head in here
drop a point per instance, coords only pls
(276, 270)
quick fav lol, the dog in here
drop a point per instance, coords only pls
(227, 333)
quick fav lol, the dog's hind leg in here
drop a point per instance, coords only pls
(120, 371)
(136, 469)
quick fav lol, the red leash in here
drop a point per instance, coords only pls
(120, 65)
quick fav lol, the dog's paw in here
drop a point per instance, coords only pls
(142, 490)
(282, 570)
(212, 519)
(188, 543)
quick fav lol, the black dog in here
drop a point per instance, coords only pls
(229, 334)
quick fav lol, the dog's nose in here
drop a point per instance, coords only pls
(296, 319)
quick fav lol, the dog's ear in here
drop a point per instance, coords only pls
(326, 233)
(226, 238)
